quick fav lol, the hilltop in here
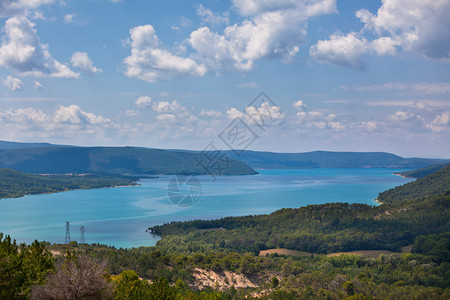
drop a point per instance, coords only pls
(331, 159)
(116, 160)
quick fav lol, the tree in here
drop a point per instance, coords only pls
(129, 286)
(78, 277)
(349, 288)
(274, 282)
(21, 267)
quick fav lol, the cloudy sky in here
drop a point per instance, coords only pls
(339, 75)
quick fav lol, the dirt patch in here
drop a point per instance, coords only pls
(407, 249)
(282, 251)
(223, 280)
(365, 253)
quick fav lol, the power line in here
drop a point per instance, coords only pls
(67, 233)
(82, 235)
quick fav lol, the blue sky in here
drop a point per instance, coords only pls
(342, 75)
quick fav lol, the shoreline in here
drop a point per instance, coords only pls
(378, 201)
(70, 190)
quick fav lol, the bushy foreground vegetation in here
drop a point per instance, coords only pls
(101, 272)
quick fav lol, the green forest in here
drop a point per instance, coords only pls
(415, 214)
(17, 184)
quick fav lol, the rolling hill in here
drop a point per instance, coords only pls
(329, 159)
(118, 160)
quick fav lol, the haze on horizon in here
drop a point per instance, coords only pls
(340, 75)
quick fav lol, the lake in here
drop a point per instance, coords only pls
(120, 216)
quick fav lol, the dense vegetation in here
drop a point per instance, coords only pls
(421, 173)
(320, 228)
(119, 160)
(100, 272)
(17, 184)
(415, 209)
(433, 184)
(416, 213)
(327, 159)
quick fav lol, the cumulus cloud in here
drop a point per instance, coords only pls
(68, 18)
(143, 101)
(149, 61)
(166, 106)
(263, 115)
(413, 26)
(73, 114)
(24, 115)
(81, 60)
(440, 123)
(270, 30)
(344, 50)
(22, 52)
(208, 17)
(20, 7)
(13, 83)
(210, 113)
(300, 106)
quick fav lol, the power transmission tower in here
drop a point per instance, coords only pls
(67, 233)
(82, 235)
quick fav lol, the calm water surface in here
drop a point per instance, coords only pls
(120, 216)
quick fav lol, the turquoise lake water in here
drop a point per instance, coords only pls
(120, 216)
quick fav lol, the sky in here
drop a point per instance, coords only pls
(296, 76)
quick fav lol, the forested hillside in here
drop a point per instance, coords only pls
(17, 184)
(422, 172)
(119, 160)
(418, 208)
(433, 184)
(329, 159)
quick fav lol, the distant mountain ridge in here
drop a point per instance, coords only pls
(330, 159)
(18, 145)
(57, 159)
(115, 160)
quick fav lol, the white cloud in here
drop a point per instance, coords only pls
(343, 50)
(208, 17)
(131, 113)
(270, 30)
(423, 88)
(414, 26)
(150, 62)
(37, 85)
(18, 7)
(22, 52)
(401, 116)
(81, 60)
(13, 83)
(310, 7)
(24, 115)
(234, 113)
(166, 117)
(73, 114)
(300, 106)
(265, 115)
(68, 18)
(143, 101)
(440, 123)
(166, 106)
(210, 113)
(420, 26)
